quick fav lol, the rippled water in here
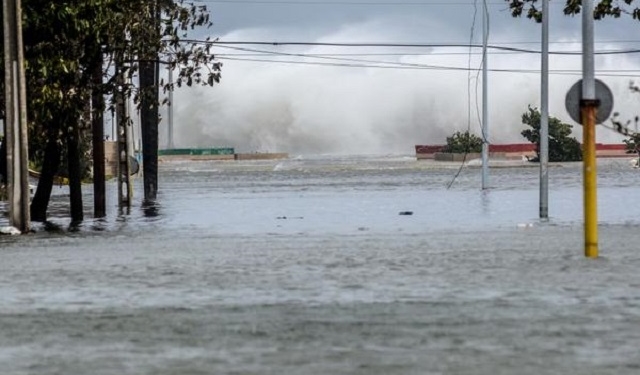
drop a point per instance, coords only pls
(305, 266)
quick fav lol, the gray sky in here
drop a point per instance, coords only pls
(309, 108)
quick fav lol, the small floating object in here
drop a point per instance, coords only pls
(525, 225)
(11, 231)
(406, 213)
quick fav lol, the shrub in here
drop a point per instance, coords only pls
(562, 147)
(461, 143)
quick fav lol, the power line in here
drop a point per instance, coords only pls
(363, 54)
(361, 61)
(406, 45)
(348, 3)
(367, 63)
(466, 151)
(401, 66)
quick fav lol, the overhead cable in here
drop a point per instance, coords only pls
(406, 45)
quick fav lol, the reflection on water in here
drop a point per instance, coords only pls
(305, 266)
(486, 202)
(150, 208)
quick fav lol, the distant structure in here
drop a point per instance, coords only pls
(220, 153)
(516, 151)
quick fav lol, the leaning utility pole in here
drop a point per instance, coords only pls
(16, 117)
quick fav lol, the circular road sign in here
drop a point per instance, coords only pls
(603, 93)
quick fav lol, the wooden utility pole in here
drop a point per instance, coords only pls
(16, 117)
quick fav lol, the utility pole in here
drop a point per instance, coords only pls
(16, 117)
(485, 112)
(149, 113)
(589, 106)
(544, 116)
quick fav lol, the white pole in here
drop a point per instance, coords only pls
(485, 126)
(588, 70)
(544, 116)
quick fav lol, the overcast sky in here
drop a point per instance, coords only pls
(311, 108)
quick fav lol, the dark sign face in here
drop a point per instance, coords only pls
(603, 94)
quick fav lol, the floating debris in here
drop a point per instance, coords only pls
(11, 231)
(525, 225)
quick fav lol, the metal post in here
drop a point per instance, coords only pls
(16, 117)
(485, 113)
(544, 116)
(589, 105)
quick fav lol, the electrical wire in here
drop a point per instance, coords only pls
(332, 3)
(602, 73)
(362, 63)
(407, 45)
(335, 58)
(466, 151)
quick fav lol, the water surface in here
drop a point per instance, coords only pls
(305, 266)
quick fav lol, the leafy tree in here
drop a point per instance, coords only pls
(562, 147)
(633, 142)
(602, 9)
(67, 41)
(463, 143)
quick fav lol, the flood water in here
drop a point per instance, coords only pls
(330, 265)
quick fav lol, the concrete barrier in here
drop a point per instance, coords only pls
(261, 156)
(445, 156)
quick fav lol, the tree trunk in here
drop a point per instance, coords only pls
(149, 128)
(40, 201)
(97, 104)
(3, 161)
(149, 79)
(75, 175)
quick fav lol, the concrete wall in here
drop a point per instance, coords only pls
(445, 156)
(261, 156)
